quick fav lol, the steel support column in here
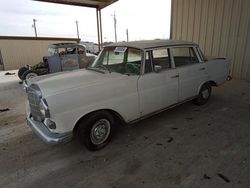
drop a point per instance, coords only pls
(99, 28)
(100, 16)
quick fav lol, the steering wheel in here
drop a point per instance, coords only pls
(132, 68)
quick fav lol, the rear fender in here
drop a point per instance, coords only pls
(211, 83)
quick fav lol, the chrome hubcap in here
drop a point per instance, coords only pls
(205, 94)
(100, 131)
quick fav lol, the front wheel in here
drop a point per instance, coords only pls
(95, 130)
(204, 95)
(28, 74)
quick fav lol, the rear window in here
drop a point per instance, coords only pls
(184, 56)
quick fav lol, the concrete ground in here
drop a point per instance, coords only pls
(188, 146)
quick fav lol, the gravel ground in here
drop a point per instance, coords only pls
(188, 146)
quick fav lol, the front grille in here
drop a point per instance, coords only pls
(34, 102)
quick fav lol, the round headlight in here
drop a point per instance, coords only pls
(44, 109)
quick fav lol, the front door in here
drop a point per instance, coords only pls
(69, 60)
(83, 60)
(158, 86)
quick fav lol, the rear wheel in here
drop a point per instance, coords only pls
(28, 74)
(96, 129)
(204, 94)
(21, 71)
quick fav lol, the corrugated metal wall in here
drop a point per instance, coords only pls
(18, 52)
(220, 27)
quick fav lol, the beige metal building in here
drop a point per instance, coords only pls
(18, 51)
(220, 27)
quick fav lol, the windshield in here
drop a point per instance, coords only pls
(52, 51)
(123, 60)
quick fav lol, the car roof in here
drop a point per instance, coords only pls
(147, 44)
(65, 45)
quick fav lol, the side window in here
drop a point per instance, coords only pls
(148, 63)
(184, 56)
(201, 54)
(81, 50)
(161, 57)
(134, 56)
(71, 51)
(62, 51)
(133, 63)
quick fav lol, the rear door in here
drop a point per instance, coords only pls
(83, 60)
(192, 72)
(157, 89)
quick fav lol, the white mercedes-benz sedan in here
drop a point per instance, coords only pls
(126, 83)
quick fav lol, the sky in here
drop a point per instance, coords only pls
(144, 20)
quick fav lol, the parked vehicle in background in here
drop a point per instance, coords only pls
(91, 47)
(126, 83)
(62, 57)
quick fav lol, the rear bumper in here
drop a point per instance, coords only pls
(48, 137)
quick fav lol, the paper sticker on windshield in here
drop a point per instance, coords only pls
(120, 49)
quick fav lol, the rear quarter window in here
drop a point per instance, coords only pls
(184, 56)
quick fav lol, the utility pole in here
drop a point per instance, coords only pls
(34, 26)
(115, 21)
(77, 29)
(127, 35)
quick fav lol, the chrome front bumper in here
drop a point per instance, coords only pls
(43, 132)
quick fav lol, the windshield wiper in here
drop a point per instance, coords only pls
(103, 67)
(95, 69)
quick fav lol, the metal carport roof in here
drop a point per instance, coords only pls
(98, 4)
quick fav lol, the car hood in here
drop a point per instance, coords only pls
(80, 78)
(42, 77)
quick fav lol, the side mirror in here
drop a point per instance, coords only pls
(157, 68)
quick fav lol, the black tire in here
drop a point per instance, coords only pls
(204, 95)
(21, 71)
(28, 74)
(89, 128)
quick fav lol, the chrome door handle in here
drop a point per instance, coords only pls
(203, 68)
(175, 76)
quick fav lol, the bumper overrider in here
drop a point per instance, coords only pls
(39, 117)
(46, 135)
